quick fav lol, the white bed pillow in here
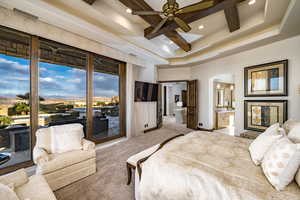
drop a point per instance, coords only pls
(289, 125)
(294, 133)
(281, 163)
(7, 193)
(264, 141)
(66, 138)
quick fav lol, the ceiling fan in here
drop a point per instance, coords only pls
(171, 10)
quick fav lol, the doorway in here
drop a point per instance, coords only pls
(177, 105)
(223, 91)
(174, 103)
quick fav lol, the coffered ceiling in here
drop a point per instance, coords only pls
(109, 22)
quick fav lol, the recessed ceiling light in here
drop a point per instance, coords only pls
(128, 10)
(201, 27)
(251, 2)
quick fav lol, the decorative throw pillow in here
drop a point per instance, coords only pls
(281, 163)
(289, 125)
(264, 141)
(66, 138)
(294, 133)
(7, 193)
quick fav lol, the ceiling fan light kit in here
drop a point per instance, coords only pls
(171, 11)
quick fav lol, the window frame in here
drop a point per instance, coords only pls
(34, 93)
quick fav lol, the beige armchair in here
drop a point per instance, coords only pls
(61, 169)
(34, 187)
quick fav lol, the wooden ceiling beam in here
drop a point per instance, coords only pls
(191, 17)
(153, 20)
(179, 40)
(91, 2)
(232, 18)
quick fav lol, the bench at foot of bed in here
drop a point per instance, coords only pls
(132, 161)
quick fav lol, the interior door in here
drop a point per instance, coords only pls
(159, 107)
(192, 104)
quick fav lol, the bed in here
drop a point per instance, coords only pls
(206, 166)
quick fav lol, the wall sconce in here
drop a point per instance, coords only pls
(232, 87)
(218, 86)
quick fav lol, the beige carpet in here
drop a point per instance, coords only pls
(109, 183)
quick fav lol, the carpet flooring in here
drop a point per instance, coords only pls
(109, 182)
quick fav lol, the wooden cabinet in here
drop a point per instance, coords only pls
(223, 118)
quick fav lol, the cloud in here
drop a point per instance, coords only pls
(54, 81)
(106, 93)
(47, 80)
(77, 80)
(60, 77)
(13, 69)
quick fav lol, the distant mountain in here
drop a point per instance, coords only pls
(4, 98)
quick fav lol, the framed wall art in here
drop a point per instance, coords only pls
(260, 114)
(270, 79)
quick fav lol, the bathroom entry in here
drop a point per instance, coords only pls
(174, 103)
(224, 103)
(178, 104)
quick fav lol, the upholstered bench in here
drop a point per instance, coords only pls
(132, 161)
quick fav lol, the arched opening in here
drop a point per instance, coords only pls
(222, 103)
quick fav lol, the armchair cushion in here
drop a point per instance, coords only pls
(36, 189)
(40, 156)
(16, 178)
(7, 193)
(66, 138)
(62, 160)
(43, 139)
(87, 145)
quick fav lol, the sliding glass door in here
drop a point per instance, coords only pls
(15, 134)
(62, 85)
(106, 101)
(44, 83)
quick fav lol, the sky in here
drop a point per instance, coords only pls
(55, 81)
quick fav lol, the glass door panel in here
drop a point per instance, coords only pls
(15, 135)
(62, 85)
(106, 107)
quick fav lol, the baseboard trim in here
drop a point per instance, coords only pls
(204, 129)
(151, 129)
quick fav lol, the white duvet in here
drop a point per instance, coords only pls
(206, 166)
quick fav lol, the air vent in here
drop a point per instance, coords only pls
(133, 55)
(25, 14)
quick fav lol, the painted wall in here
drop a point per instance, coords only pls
(143, 112)
(171, 74)
(286, 49)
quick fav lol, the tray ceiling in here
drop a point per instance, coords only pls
(127, 31)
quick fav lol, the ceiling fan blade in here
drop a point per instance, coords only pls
(159, 25)
(147, 12)
(195, 7)
(171, 2)
(184, 26)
